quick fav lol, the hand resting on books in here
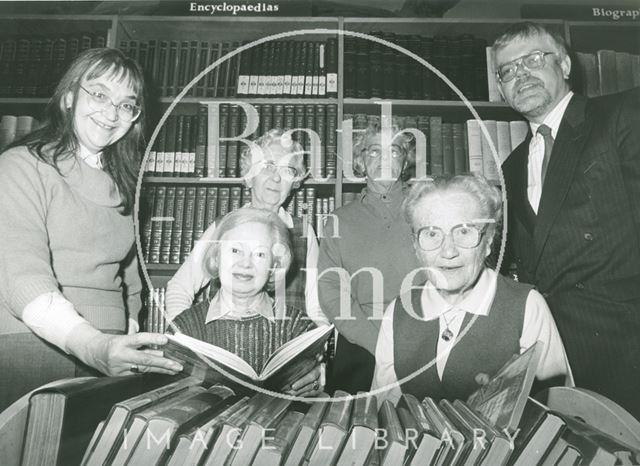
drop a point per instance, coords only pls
(119, 354)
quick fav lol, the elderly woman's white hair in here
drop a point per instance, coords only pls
(259, 151)
(487, 195)
(405, 141)
(281, 241)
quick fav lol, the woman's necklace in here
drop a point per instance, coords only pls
(447, 334)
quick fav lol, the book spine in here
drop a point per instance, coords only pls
(157, 225)
(203, 63)
(149, 195)
(474, 147)
(178, 159)
(212, 206)
(176, 234)
(235, 198)
(187, 160)
(459, 154)
(199, 214)
(489, 164)
(199, 168)
(169, 146)
(187, 225)
(232, 146)
(223, 201)
(448, 156)
(215, 51)
(332, 67)
(321, 130)
(167, 228)
(332, 140)
(223, 145)
(435, 145)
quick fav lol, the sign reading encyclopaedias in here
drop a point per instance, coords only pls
(581, 12)
(249, 8)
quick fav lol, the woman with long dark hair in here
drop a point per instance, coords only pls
(69, 281)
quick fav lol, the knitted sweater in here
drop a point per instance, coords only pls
(64, 233)
(369, 232)
(253, 338)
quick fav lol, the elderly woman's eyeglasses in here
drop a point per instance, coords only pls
(375, 151)
(531, 61)
(465, 235)
(99, 101)
(286, 172)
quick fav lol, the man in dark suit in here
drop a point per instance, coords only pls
(573, 192)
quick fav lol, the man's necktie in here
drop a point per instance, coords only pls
(545, 132)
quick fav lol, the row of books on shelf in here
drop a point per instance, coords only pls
(177, 216)
(31, 66)
(374, 70)
(182, 145)
(607, 72)
(155, 317)
(285, 68)
(14, 127)
(459, 147)
(157, 420)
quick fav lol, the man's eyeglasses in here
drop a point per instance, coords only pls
(375, 151)
(99, 101)
(532, 61)
(465, 235)
(286, 172)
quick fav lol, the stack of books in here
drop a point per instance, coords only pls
(179, 422)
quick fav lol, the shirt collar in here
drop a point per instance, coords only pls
(283, 214)
(221, 307)
(92, 159)
(554, 118)
(477, 302)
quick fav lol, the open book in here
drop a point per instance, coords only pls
(503, 399)
(289, 362)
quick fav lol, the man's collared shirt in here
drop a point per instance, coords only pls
(536, 151)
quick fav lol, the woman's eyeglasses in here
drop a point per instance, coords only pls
(465, 235)
(286, 172)
(532, 61)
(375, 151)
(99, 101)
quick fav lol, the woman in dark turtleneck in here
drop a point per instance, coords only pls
(369, 242)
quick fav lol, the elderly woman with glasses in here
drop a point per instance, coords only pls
(465, 317)
(69, 275)
(364, 256)
(272, 167)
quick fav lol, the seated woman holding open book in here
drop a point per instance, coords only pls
(466, 321)
(272, 167)
(249, 254)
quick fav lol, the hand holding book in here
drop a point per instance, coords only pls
(119, 354)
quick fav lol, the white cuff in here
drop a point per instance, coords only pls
(133, 327)
(52, 317)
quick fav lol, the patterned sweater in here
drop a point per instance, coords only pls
(254, 338)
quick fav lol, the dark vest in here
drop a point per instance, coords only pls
(296, 278)
(485, 348)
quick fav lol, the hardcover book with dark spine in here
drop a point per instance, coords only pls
(62, 417)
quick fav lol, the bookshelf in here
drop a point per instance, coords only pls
(211, 37)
